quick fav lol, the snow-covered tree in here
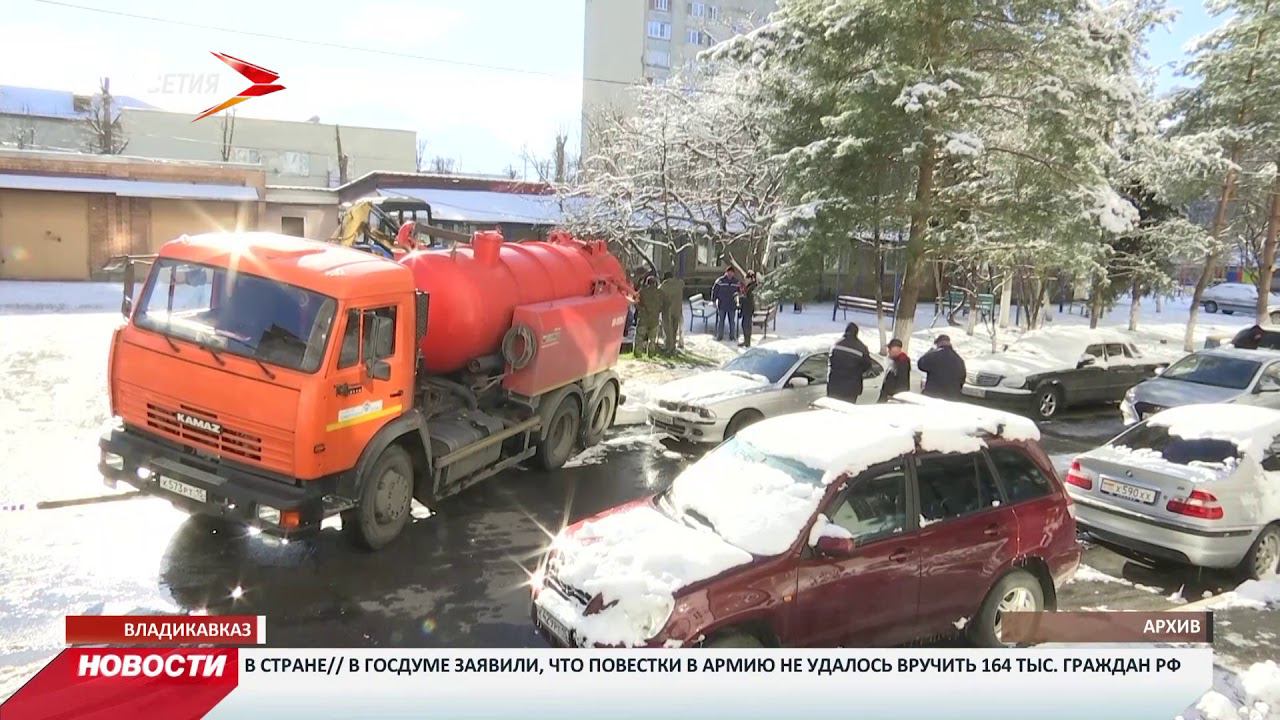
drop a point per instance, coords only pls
(691, 162)
(993, 113)
(1237, 101)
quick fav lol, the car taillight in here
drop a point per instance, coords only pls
(1199, 504)
(1076, 476)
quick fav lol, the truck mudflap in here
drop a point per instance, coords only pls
(279, 507)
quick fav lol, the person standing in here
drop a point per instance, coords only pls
(944, 370)
(672, 289)
(747, 305)
(849, 360)
(648, 310)
(898, 377)
(725, 295)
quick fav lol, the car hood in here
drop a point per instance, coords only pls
(1015, 363)
(1172, 393)
(710, 387)
(630, 563)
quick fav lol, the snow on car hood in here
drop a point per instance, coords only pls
(710, 387)
(1008, 364)
(1172, 393)
(636, 559)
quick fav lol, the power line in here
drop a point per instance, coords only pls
(327, 44)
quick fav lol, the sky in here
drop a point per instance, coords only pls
(485, 82)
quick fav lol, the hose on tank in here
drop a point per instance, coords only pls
(528, 346)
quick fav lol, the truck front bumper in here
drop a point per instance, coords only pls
(280, 507)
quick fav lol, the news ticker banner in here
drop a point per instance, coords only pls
(1045, 683)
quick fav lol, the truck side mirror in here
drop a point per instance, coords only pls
(379, 347)
(126, 302)
(378, 369)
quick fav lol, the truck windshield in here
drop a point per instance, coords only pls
(242, 314)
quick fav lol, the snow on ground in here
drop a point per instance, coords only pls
(1255, 594)
(19, 297)
(1085, 573)
(1249, 694)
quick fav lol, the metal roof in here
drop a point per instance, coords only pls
(129, 188)
(484, 206)
(43, 102)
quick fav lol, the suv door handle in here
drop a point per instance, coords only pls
(899, 555)
(992, 531)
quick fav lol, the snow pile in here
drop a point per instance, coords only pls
(1251, 695)
(1251, 594)
(1153, 461)
(823, 527)
(1249, 428)
(635, 559)
(752, 501)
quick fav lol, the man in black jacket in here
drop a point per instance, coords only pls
(898, 377)
(849, 360)
(944, 370)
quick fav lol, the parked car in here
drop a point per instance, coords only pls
(1269, 338)
(1234, 297)
(1223, 375)
(1197, 484)
(772, 379)
(1049, 370)
(866, 525)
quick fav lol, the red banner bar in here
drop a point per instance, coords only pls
(166, 629)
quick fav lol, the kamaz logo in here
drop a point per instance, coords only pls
(199, 423)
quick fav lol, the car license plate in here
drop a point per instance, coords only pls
(1127, 491)
(973, 391)
(183, 489)
(558, 630)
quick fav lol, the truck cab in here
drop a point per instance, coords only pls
(254, 370)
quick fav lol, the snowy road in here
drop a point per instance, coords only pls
(455, 579)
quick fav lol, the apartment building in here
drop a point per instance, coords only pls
(628, 43)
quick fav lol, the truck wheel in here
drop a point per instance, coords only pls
(560, 435)
(600, 418)
(1263, 559)
(384, 501)
(1018, 591)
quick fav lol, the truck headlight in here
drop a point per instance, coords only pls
(266, 513)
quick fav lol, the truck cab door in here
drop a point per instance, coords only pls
(367, 387)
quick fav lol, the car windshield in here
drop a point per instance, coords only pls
(1216, 370)
(763, 362)
(239, 313)
(1175, 449)
(754, 500)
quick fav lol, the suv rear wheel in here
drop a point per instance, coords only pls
(1019, 591)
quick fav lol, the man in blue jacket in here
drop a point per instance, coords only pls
(724, 293)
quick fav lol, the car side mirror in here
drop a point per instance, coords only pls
(835, 546)
(1086, 361)
(1159, 369)
(798, 382)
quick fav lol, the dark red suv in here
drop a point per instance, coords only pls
(846, 525)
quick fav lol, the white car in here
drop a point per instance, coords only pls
(772, 379)
(1233, 298)
(1196, 484)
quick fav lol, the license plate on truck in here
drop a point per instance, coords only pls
(183, 489)
(1127, 491)
(553, 625)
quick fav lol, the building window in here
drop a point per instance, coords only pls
(697, 37)
(697, 9)
(295, 163)
(81, 103)
(246, 155)
(657, 58)
(663, 5)
(659, 30)
(294, 226)
(713, 12)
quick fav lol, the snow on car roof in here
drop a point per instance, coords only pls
(801, 345)
(840, 437)
(1248, 427)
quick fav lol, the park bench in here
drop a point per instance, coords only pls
(846, 303)
(700, 309)
(957, 302)
(763, 317)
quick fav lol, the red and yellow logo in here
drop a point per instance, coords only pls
(263, 83)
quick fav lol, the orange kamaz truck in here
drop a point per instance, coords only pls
(273, 382)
